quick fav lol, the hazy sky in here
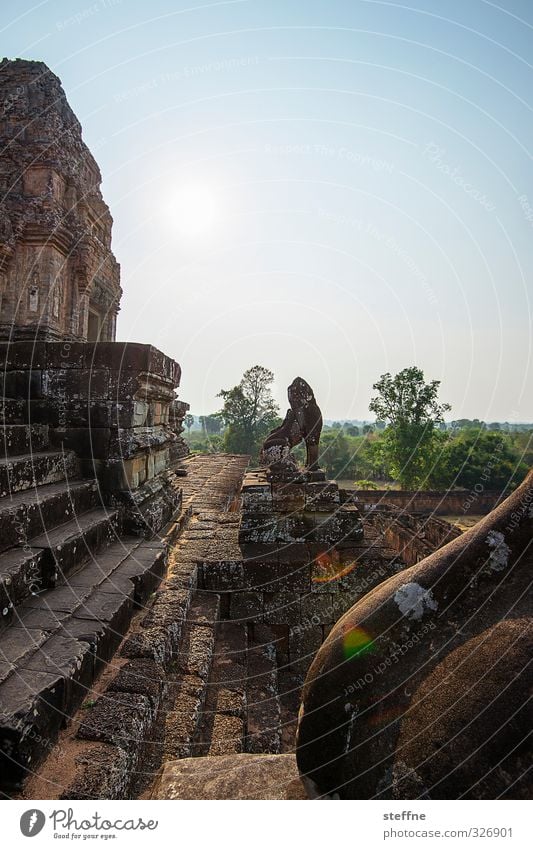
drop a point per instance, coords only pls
(326, 188)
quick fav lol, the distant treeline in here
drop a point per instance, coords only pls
(409, 444)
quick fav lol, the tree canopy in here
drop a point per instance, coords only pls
(249, 411)
(411, 409)
(211, 424)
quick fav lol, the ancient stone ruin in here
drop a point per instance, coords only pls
(179, 626)
(58, 275)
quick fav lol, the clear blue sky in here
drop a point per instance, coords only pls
(358, 177)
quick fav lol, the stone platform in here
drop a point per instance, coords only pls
(213, 661)
(304, 510)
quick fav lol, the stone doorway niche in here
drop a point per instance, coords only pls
(94, 326)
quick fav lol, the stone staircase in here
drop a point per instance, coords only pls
(196, 673)
(169, 692)
(263, 727)
(224, 694)
(69, 583)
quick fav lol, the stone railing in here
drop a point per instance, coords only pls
(443, 503)
(413, 537)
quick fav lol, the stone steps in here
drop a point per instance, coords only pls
(26, 514)
(25, 471)
(73, 542)
(125, 727)
(223, 727)
(50, 558)
(58, 643)
(191, 671)
(150, 704)
(19, 439)
(263, 731)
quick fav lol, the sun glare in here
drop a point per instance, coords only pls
(193, 209)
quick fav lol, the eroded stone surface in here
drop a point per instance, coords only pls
(58, 275)
(420, 669)
(241, 776)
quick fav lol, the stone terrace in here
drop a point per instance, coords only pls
(214, 660)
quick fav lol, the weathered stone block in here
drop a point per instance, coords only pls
(197, 652)
(32, 707)
(321, 496)
(288, 497)
(318, 608)
(154, 643)
(246, 605)
(80, 384)
(22, 355)
(86, 442)
(304, 642)
(29, 383)
(120, 719)
(223, 575)
(277, 577)
(341, 526)
(181, 725)
(256, 498)
(63, 355)
(227, 735)
(282, 609)
(141, 676)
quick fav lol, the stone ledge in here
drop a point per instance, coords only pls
(240, 776)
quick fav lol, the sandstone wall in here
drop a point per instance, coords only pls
(413, 537)
(110, 403)
(58, 275)
(449, 503)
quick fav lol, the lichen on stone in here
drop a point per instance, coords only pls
(499, 556)
(413, 600)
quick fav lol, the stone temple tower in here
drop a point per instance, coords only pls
(58, 276)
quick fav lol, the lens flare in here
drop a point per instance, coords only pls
(356, 642)
(328, 568)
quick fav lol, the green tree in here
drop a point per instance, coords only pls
(351, 430)
(336, 456)
(188, 421)
(410, 407)
(483, 458)
(211, 424)
(249, 411)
